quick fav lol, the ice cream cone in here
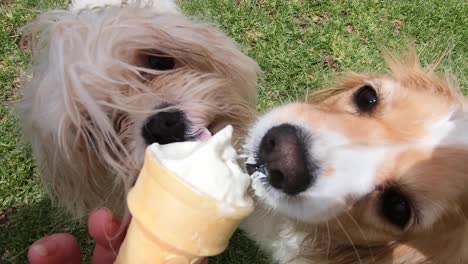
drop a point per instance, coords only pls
(172, 222)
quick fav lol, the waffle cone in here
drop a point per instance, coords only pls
(172, 222)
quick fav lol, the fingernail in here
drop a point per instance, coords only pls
(46, 247)
(40, 249)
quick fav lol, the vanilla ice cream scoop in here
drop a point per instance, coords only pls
(187, 202)
(210, 167)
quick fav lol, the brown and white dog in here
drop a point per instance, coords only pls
(374, 170)
(106, 81)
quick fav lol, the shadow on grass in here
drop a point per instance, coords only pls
(241, 250)
(27, 224)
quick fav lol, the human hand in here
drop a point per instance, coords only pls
(61, 248)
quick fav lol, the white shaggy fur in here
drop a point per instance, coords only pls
(88, 93)
(157, 6)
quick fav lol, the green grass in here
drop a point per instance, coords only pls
(299, 44)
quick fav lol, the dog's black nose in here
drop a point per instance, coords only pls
(283, 152)
(165, 128)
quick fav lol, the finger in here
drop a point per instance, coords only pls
(108, 233)
(103, 255)
(106, 229)
(55, 249)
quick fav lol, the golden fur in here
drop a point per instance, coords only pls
(422, 123)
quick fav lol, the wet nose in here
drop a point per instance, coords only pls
(283, 152)
(165, 128)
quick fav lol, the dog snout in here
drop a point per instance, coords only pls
(283, 152)
(165, 128)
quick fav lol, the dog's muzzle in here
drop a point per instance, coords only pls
(165, 128)
(282, 157)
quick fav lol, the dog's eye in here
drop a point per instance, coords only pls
(395, 207)
(160, 62)
(366, 99)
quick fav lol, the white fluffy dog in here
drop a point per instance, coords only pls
(109, 78)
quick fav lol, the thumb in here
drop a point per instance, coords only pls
(55, 249)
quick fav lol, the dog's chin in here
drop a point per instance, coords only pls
(304, 207)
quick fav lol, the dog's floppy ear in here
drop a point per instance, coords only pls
(72, 132)
(398, 64)
(408, 61)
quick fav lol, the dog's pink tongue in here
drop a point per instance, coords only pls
(204, 135)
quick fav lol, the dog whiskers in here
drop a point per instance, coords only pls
(315, 234)
(350, 240)
(329, 241)
(268, 211)
(362, 233)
